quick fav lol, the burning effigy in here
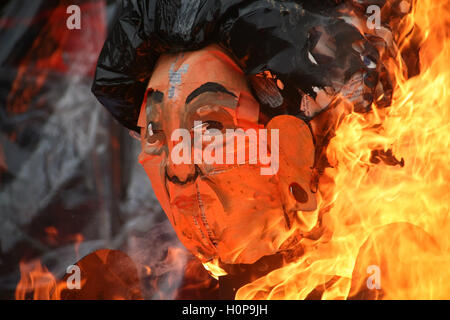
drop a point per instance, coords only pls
(297, 148)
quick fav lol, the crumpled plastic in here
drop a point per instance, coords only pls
(300, 49)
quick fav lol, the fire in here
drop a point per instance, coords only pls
(37, 283)
(214, 269)
(392, 216)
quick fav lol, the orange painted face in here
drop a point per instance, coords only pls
(226, 211)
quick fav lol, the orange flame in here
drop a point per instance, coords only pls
(37, 283)
(394, 218)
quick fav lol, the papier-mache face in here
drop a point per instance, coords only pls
(226, 197)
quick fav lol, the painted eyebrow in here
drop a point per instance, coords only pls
(208, 87)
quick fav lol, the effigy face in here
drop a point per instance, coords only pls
(226, 198)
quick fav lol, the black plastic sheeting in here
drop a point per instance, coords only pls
(262, 35)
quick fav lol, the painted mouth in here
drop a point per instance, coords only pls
(184, 202)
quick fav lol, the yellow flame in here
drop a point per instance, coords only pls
(393, 217)
(214, 269)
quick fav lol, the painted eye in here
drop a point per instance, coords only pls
(209, 127)
(150, 129)
(211, 124)
(155, 139)
(200, 126)
(153, 136)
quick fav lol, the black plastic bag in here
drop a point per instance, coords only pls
(281, 37)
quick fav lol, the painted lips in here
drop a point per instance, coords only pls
(191, 202)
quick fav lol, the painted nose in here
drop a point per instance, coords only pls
(180, 173)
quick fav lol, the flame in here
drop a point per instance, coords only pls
(197, 282)
(214, 269)
(37, 283)
(393, 217)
